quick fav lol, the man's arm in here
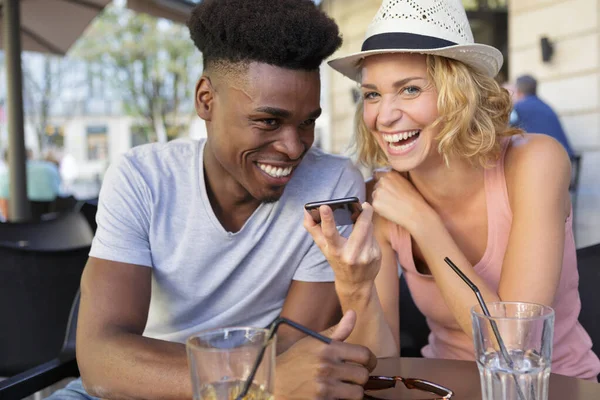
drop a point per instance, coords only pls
(115, 360)
(312, 304)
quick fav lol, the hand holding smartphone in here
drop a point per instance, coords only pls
(345, 210)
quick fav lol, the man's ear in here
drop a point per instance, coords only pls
(205, 97)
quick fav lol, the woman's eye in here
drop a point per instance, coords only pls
(411, 90)
(370, 95)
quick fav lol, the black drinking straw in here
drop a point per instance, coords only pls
(485, 310)
(273, 329)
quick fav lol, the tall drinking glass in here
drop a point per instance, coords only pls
(523, 370)
(220, 361)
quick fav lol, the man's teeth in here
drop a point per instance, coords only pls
(275, 172)
(399, 136)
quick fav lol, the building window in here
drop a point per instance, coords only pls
(97, 142)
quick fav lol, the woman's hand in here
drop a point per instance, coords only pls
(355, 260)
(397, 200)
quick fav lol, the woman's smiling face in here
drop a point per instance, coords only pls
(400, 105)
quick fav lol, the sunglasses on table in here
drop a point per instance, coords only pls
(374, 382)
(388, 382)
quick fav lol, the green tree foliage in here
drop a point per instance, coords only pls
(153, 64)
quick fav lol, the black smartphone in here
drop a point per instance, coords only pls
(345, 211)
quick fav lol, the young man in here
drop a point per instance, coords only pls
(197, 235)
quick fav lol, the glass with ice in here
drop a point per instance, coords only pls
(521, 370)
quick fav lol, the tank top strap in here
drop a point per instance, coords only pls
(496, 192)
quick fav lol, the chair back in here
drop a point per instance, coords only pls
(67, 352)
(588, 265)
(575, 172)
(40, 272)
(42, 376)
(89, 209)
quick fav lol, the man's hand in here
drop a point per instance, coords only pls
(311, 369)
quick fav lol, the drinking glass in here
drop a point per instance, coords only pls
(220, 361)
(517, 367)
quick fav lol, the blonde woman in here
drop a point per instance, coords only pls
(461, 184)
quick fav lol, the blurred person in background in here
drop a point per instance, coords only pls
(43, 185)
(533, 115)
(69, 172)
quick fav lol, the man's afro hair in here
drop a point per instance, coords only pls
(292, 34)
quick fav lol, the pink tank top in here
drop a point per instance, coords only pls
(572, 354)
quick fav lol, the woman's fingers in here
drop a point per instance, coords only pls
(329, 229)
(363, 228)
(315, 231)
(325, 234)
(361, 249)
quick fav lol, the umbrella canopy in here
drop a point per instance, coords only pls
(175, 10)
(52, 26)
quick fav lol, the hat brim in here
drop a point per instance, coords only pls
(485, 59)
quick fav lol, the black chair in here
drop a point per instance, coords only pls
(37, 378)
(414, 331)
(588, 264)
(65, 204)
(40, 208)
(40, 273)
(89, 209)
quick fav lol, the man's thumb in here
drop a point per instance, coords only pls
(344, 328)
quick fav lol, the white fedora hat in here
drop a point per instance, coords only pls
(438, 27)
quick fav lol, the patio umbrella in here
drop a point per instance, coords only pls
(49, 26)
(175, 10)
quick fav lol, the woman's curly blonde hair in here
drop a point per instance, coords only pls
(473, 115)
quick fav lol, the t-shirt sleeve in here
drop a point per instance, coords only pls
(314, 266)
(123, 216)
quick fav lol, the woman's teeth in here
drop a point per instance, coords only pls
(275, 172)
(396, 141)
(395, 146)
(399, 136)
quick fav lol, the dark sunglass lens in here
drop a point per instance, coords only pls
(379, 383)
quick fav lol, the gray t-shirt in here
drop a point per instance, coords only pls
(154, 211)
